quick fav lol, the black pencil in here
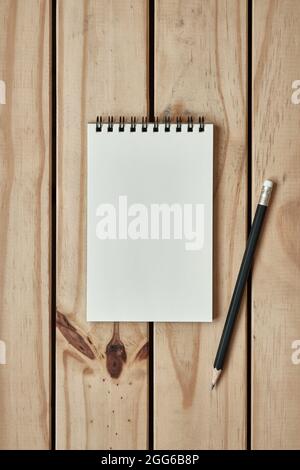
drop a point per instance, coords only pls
(242, 279)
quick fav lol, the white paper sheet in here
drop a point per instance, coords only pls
(145, 261)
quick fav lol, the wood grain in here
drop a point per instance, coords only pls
(101, 367)
(276, 275)
(201, 68)
(24, 214)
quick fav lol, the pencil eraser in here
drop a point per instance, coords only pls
(268, 183)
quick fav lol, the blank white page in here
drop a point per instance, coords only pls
(149, 224)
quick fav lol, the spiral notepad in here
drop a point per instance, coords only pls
(149, 220)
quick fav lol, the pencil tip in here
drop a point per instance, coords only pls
(215, 377)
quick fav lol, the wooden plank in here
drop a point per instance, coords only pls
(101, 70)
(201, 68)
(276, 275)
(24, 214)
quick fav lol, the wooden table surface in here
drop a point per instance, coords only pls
(234, 61)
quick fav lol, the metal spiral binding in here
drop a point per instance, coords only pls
(133, 124)
(201, 123)
(167, 123)
(110, 126)
(99, 124)
(144, 124)
(191, 126)
(178, 124)
(122, 124)
(156, 125)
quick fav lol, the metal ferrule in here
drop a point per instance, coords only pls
(265, 195)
